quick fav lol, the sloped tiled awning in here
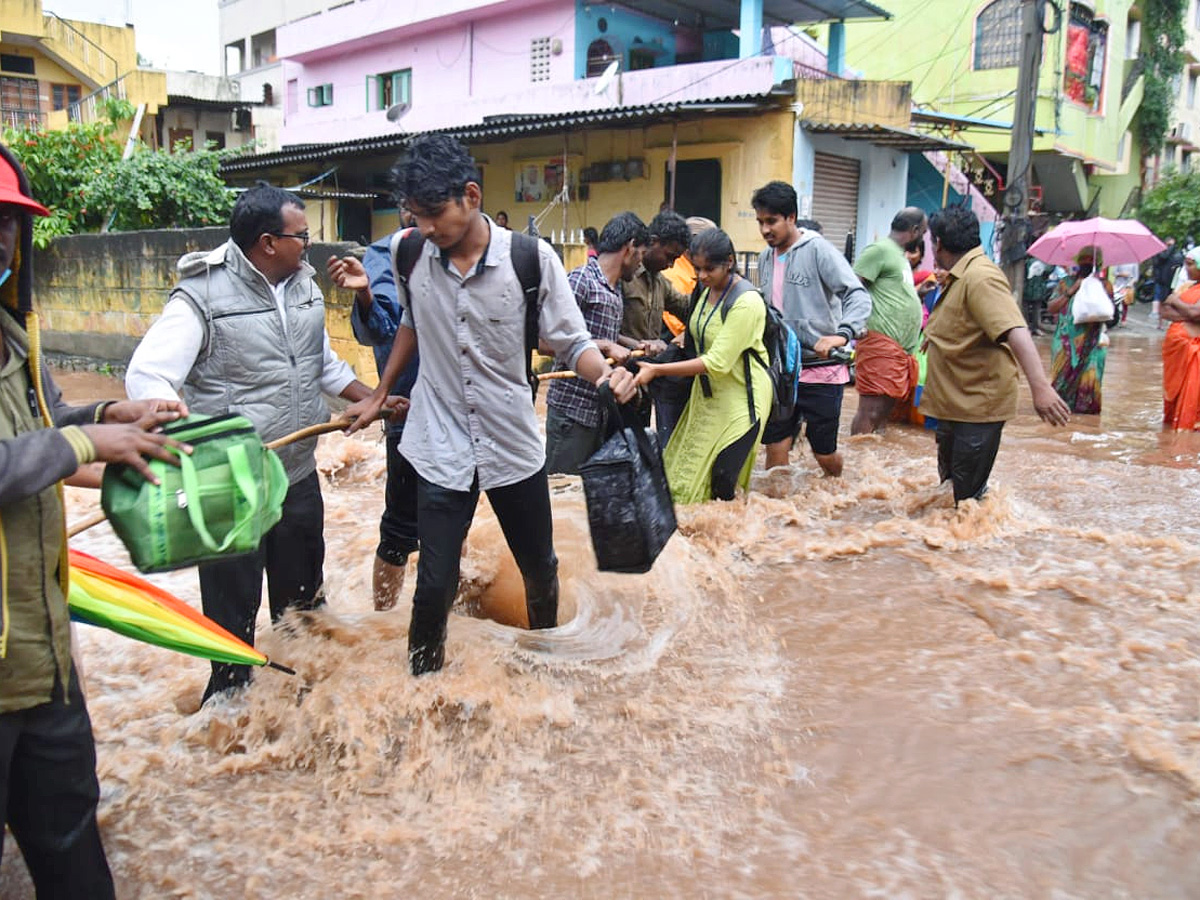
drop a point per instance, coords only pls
(717, 14)
(884, 136)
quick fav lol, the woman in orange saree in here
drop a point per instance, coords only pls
(1181, 351)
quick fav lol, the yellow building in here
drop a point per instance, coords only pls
(55, 70)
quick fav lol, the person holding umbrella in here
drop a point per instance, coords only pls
(48, 786)
(1079, 348)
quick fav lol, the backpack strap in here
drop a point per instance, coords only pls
(405, 250)
(527, 264)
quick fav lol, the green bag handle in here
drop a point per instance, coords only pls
(243, 478)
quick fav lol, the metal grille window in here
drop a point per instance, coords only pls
(19, 102)
(539, 59)
(998, 35)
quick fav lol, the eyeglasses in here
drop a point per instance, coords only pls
(302, 236)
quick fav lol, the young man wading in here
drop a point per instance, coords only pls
(471, 425)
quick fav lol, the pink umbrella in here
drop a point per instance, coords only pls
(1119, 240)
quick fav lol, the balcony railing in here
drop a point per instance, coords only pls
(88, 109)
(82, 48)
(22, 118)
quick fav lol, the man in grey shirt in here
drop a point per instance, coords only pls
(471, 425)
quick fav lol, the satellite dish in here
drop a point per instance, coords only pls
(397, 111)
(607, 78)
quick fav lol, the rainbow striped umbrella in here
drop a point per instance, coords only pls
(106, 596)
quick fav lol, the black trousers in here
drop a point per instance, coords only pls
(398, 526)
(293, 556)
(49, 792)
(443, 519)
(966, 453)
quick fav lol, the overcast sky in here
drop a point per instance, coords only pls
(171, 35)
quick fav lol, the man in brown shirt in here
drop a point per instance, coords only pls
(975, 339)
(647, 293)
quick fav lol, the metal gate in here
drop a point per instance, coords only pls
(835, 196)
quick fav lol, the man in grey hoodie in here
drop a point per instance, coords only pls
(809, 281)
(244, 332)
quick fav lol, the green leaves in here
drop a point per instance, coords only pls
(1162, 53)
(1172, 207)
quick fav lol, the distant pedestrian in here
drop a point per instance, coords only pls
(975, 339)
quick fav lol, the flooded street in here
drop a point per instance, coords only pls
(825, 689)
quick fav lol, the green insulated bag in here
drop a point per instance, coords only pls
(218, 502)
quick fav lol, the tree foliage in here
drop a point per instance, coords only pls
(1172, 207)
(78, 173)
(1162, 58)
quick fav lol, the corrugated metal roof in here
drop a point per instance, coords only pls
(503, 127)
(883, 136)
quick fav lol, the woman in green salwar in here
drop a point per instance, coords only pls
(711, 451)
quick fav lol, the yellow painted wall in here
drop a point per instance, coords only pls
(752, 151)
(21, 16)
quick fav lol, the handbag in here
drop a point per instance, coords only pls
(219, 501)
(631, 515)
(1091, 302)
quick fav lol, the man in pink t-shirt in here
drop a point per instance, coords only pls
(820, 297)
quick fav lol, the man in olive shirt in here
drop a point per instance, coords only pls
(886, 367)
(975, 339)
(648, 292)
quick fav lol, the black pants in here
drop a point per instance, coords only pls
(966, 454)
(49, 792)
(443, 518)
(293, 556)
(398, 526)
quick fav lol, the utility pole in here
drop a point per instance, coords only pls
(1015, 237)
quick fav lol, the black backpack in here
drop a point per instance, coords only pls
(783, 356)
(406, 250)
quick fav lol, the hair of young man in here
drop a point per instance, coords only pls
(259, 211)
(435, 170)
(908, 218)
(620, 230)
(669, 227)
(590, 235)
(810, 225)
(956, 227)
(914, 245)
(776, 197)
(715, 246)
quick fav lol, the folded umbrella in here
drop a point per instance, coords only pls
(104, 595)
(1119, 241)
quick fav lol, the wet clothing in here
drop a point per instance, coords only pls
(1181, 371)
(575, 399)
(235, 343)
(472, 427)
(883, 368)
(971, 376)
(1077, 360)
(966, 452)
(292, 554)
(471, 416)
(696, 468)
(646, 295)
(895, 306)
(377, 328)
(818, 411)
(48, 786)
(523, 511)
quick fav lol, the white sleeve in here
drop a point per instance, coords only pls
(335, 373)
(166, 354)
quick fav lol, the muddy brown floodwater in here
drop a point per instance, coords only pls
(825, 689)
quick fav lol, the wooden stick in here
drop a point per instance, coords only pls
(567, 373)
(311, 431)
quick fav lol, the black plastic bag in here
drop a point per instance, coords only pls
(630, 512)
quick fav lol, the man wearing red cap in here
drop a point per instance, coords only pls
(48, 786)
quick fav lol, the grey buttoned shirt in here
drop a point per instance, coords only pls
(471, 411)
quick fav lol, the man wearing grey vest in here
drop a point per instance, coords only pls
(244, 332)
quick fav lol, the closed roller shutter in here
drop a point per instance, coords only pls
(835, 196)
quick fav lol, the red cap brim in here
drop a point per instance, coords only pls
(15, 198)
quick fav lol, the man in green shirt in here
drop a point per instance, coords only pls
(48, 786)
(886, 370)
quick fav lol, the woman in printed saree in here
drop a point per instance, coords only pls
(1181, 350)
(711, 451)
(1078, 349)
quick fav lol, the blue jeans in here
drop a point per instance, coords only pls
(443, 519)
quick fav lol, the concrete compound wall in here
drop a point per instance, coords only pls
(97, 294)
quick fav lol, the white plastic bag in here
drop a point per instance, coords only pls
(1091, 302)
